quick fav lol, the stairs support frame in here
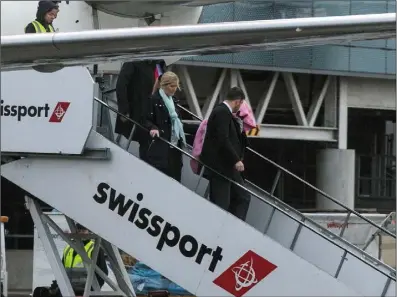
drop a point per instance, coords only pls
(42, 222)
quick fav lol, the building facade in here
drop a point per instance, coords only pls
(308, 100)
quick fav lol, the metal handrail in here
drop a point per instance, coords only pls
(390, 275)
(349, 211)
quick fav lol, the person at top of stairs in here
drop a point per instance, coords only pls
(47, 12)
(134, 86)
(163, 120)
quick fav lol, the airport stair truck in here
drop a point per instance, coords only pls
(131, 206)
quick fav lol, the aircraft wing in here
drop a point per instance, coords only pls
(90, 47)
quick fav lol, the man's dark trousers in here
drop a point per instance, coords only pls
(228, 195)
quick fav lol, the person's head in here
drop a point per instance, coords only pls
(169, 82)
(81, 229)
(235, 97)
(47, 11)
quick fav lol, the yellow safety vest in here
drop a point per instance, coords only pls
(72, 262)
(40, 28)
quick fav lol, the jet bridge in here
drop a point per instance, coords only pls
(129, 205)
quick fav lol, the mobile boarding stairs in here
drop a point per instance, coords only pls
(131, 206)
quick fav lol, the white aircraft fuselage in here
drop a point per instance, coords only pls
(175, 33)
(80, 16)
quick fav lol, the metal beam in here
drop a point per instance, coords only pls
(93, 154)
(297, 133)
(50, 248)
(209, 105)
(190, 93)
(316, 105)
(290, 132)
(191, 122)
(343, 109)
(265, 99)
(96, 46)
(243, 88)
(199, 63)
(233, 77)
(306, 131)
(295, 99)
(43, 224)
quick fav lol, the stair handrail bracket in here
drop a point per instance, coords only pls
(52, 114)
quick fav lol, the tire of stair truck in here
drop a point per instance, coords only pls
(51, 68)
(41, 292)
(158, 293)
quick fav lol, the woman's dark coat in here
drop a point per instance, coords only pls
(158, 118)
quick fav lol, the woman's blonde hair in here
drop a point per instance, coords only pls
(167, 78)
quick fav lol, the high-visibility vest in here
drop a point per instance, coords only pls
(73, 262)
(40, 28)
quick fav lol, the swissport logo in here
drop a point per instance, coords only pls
(168, 236)
(35, 111)
(59, 112)
(244, 274)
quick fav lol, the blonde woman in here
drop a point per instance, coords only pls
(163, 120)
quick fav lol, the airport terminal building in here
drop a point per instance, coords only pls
(326, 113)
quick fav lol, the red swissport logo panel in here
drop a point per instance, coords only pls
(59, 112)
(21, 112)
(244, 274)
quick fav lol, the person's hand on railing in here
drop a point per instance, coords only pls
(154, 133)
(123, 119)
(239, 166)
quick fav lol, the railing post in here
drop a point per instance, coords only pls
(342, 260)
(130, 138)
(298, 231)
(269, 221)
(275, 182)
(345, 223)
(199, 180)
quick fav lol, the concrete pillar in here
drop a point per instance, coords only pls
(335, 177)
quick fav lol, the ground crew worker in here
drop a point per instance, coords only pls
(71, 259)
(47, 12)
